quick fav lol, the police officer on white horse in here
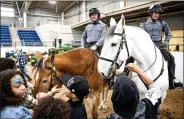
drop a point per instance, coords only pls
(155, 26)
(92, 36)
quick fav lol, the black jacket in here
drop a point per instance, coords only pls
(144, 110)
(78, 110)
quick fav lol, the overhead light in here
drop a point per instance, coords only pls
(52, 1)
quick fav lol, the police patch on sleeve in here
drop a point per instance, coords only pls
(142, 24)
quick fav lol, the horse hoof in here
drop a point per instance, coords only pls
(104, 110)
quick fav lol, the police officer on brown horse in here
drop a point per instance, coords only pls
(94, 32)
(155, 26)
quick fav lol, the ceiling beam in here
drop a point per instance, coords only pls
(18, 9)
(69, 6)
(61, 4)
(27, 4)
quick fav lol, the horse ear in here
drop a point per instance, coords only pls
(112, 22)
(121, 22)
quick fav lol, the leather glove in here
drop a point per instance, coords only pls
(93, 47)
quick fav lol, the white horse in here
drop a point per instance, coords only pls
(124, 41)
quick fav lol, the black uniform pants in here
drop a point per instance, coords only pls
(171, 63)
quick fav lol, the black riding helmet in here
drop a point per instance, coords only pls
(155, 8)
(94, 11)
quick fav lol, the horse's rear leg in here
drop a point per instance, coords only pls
(95, 100)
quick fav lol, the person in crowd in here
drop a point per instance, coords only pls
(51, 108)
(94, 33)
(22, 61)
(155, 26)
(125, 98)
(13, 93)
(77, 88)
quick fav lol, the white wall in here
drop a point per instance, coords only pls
(179, 65)
(74, 14)
(32, 20)
(49, 32)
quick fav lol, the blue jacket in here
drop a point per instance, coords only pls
(18, 112)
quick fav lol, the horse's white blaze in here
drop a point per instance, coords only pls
(141, 48)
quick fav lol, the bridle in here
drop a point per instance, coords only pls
(53, 70)
(114, 62)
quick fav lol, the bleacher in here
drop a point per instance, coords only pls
(5, 36)
(29, 38)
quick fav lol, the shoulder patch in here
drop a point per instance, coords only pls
(142, 24)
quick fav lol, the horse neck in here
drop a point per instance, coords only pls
(145, 54)
(73, 62)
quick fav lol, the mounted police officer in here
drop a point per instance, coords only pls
(94, 32)
(155, 27)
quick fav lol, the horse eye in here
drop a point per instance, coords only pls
(44, 81)
(113, 44)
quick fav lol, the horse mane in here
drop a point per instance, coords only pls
(38, 66)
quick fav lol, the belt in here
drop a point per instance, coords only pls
(92, 43)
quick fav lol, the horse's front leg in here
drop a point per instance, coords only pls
(103, 106)
(95, 101)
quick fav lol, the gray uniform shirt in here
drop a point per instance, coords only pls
(94, 33)
(155, 29)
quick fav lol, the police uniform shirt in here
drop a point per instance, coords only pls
(155, 29)
(93, 33)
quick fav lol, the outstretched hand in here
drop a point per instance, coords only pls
(55, 90)
(133, 67)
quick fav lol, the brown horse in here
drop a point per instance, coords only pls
(79, 61)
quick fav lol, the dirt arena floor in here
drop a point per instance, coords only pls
(172, 107)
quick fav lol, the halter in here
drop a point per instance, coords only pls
(53, 70)
(123, 41)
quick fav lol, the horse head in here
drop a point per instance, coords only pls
(44, 80)
(115, 46)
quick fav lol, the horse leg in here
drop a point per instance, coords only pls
(105, 90)
(104, 106)
(95, 101)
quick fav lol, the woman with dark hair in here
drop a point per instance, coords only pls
(13, 93)
(50, 108)
(30, 101)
